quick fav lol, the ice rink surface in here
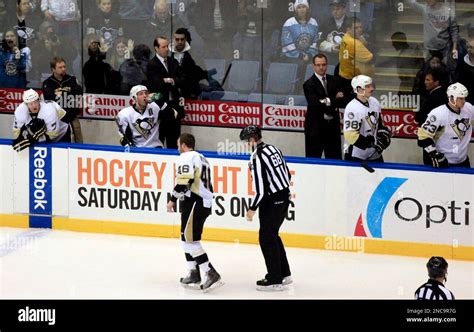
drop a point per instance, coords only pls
(50, 264)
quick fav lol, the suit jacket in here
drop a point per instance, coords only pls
(434, 99)
(156, 73)
(314, 92)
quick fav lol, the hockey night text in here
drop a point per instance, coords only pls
(146, 185)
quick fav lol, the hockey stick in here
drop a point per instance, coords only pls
(226, 74)
(127, 147)
(365, 164)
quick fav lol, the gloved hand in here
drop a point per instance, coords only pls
(438, 159)
(36, 128)
(23, 141)
(384, 138)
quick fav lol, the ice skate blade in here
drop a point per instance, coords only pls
(215, 285)
(271, 288)
(192, 286)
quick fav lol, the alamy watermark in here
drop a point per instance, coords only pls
(344, 243)
(228, 147)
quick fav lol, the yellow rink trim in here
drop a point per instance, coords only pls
(7, 220)
(351, 244)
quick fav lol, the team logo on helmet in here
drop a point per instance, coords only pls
(144, 126)
(460, 127)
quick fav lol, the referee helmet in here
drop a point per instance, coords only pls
(437, 267)
(249, 132)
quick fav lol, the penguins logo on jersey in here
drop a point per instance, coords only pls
(372, 119)
(144, 126)
(335, 37)
(460, 127)
(303, 41)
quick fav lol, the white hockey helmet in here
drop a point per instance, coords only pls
(360, 81)
(457, 90)
(30, 96)
(136, 89)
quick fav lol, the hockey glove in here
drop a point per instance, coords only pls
(125, 141)
(36, 128)
(438, 160)
(383, 139)
(23, 141)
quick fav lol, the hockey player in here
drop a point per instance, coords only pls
(434, 289)
(364, 130)
(447, 131)
(138, 124)
(194, 190)
(38, 121)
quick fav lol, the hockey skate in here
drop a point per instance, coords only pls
(267, 286)
(287, 280)
(212, 281)
(192, 280)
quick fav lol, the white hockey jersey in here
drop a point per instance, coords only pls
(142, 127)
(450, 131)
(194, 166)
(50, 112)
(361, 120)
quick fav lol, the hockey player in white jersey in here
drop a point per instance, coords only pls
(38, 121)
(447, 131)
(138, 124)
(364, 131)
(194, 190)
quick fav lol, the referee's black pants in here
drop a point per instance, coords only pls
(272, 213)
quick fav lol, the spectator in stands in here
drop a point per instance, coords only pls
(13, 62)
(65, 16)
(120, 51)
(23, 22)
(249, 33)
(216, 21)
(65, 90)
(164, 76)
(333, 30)
(135, 15)
(440, 29)
(99, 77)
(435, 62)
(12, 38)
(465, 71)
(191, 72)
(407, 58)
(299, 35)
(105, 23)
(133, 71)
(47, 47)
(162, 21)
(354, 56)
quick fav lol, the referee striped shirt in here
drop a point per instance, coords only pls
(433, 290)
(270, 174)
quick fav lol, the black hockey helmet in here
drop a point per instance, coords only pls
(437, 267)
(249, 132)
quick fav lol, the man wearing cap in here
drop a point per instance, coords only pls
(333, 30)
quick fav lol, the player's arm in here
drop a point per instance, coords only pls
(185, 171)
(257, 181)
(125, 133)
(426, 136)
(166, 112)
(352, 125)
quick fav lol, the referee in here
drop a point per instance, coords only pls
(271, 180)
(434, 289)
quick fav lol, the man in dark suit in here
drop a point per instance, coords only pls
(164, 76)
(322, 125)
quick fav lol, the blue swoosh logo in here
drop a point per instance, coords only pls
(379, 201)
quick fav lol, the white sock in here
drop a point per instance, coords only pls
(205, 267)
(191, 265)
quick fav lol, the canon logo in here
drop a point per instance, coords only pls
(239, 109)
(293, 112)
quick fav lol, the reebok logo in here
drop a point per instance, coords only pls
(39, 181)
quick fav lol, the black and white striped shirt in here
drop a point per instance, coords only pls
(270, 174)
(433, 290)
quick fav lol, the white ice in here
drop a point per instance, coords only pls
(50, 264)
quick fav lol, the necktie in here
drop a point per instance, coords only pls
(166, 63)
(325, 85)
